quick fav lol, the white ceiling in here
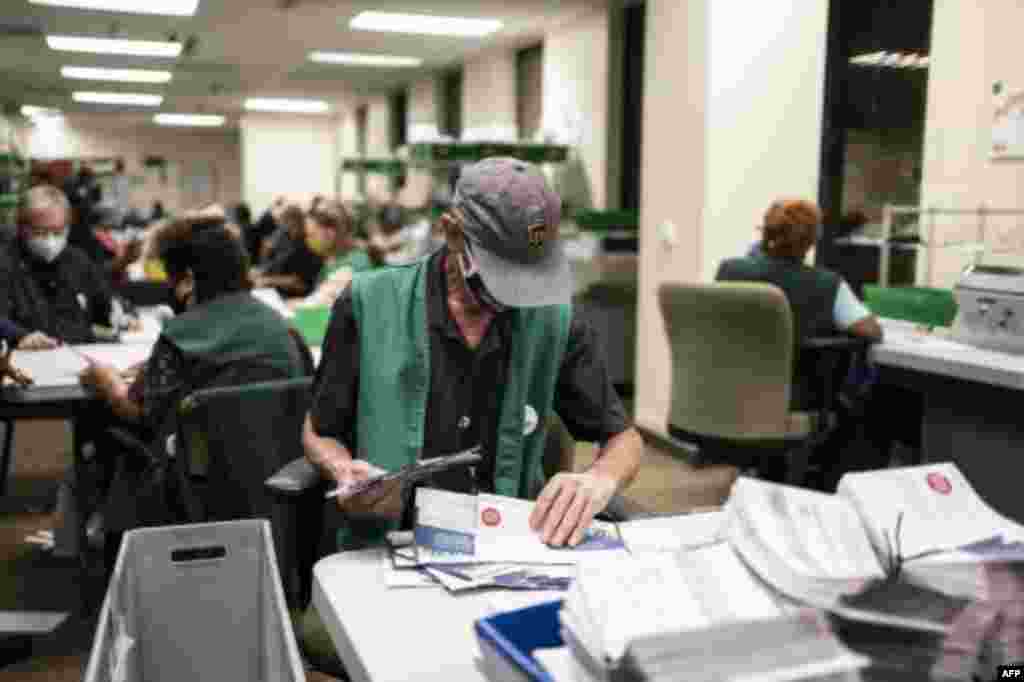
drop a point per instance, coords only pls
(252, 48)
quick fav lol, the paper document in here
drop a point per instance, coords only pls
(672, 533)
(939, 508)
(720, 623)
(62, 365)
(504, 534)
(456, 528)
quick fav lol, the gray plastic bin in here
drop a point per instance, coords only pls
(199, 602)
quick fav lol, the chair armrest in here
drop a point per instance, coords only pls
(294, 478)
(132, 445)
(837, 343)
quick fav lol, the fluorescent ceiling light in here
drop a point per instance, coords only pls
(125, 98)
(137, 48)
(120, 75)
(31, 111)
(295, 106)
(200, 120)
(425, 24)
(177, 8)
(363, 59)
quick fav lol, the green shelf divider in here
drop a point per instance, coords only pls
(8, 200)
(607, 220)
(374, 166)
(431, 153)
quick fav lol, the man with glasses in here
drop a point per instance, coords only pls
(47, 287)
(476, 345)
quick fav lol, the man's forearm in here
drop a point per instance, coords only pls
(619, 459)
(325, 453)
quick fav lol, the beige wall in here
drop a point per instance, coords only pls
(424, 111)
(973, 45)
(489, 94)
(732, 119)
(292, 155)
(190, 153)
(576, 105)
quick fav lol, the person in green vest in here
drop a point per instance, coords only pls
(329, 235)
(220, 326)
(476, 345)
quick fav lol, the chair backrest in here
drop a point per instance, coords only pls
(732, 359)
(235, 437)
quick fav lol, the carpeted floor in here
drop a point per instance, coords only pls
(30, 579)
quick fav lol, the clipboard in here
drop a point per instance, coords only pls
(412, 473)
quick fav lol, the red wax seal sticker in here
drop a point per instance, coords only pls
(939, 483)
(490, 517)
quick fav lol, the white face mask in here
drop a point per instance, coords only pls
(48, 248)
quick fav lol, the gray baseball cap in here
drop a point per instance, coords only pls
(511, 220)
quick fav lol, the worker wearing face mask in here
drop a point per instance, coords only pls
(47, 287)
(329, 235)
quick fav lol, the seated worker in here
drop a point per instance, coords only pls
(46, 285)
(822, 302)
(476, 345)
(394, 243)
(291, 266)
(268, 226)
(222, 325)
(329, 234)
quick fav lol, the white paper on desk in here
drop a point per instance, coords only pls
(940, 509)
(149, 333)
(503, 533)
(672, 533)
(521, 577)
(273, 299)
(501, 601)
(61, 366)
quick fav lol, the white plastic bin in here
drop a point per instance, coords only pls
(198, 602)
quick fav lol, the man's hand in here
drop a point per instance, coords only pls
(37, 341)
(337, 465)
(101, 378)
(568, 504)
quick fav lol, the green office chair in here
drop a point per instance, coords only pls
(733, 359)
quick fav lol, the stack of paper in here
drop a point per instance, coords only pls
(698, 615)
(911, 560)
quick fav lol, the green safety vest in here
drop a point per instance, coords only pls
(394, 382)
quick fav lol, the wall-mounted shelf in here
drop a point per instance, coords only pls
(429, 154)
(390, 167)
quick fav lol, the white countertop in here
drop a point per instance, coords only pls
(387, 634)
(909, 349)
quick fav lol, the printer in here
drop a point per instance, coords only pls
(990, 308)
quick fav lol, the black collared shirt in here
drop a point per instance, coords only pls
(463, 406)
(62, 299)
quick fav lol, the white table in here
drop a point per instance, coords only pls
(384, 634)
(911, 350)
(972, 413)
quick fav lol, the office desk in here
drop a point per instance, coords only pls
(972, 412)
(384, 634)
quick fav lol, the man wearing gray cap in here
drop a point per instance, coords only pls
(475, 345)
